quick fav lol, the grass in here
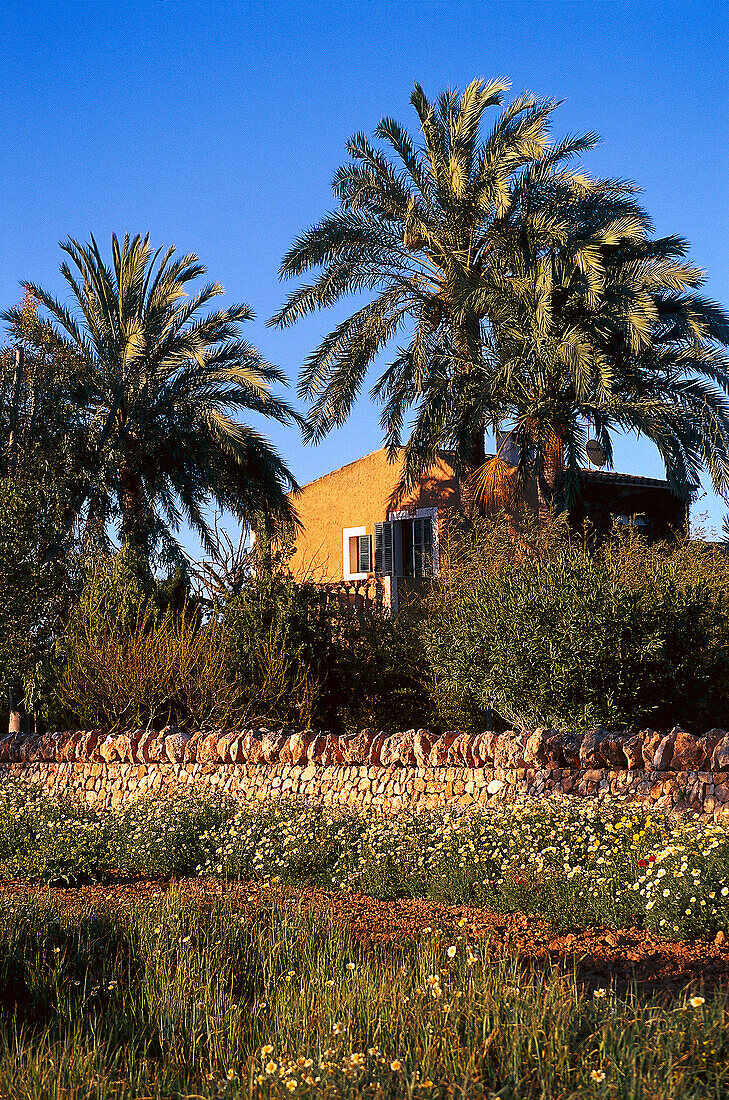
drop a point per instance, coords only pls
(179, 999)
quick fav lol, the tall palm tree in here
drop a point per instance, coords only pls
(531, 296)
(161, 384)
(416, 232)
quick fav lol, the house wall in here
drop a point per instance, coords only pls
(357, 496)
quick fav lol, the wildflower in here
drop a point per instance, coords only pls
(350, 966)
(599, 994)
(697, 1002)
(266, 1050)
(396, 1065)
(271, 1067)
(291, 1085)
(451, 951)
(338, 1028)
(597, 1074)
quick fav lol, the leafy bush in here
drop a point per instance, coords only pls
(545, 630)
(303, 662)
(377, 677)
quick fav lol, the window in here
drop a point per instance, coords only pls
(357, 553)
(404, 546)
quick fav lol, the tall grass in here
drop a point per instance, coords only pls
(179, 999)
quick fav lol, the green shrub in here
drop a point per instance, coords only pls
(544, 630)
(378, 675)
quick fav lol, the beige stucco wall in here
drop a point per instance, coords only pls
(357, 495)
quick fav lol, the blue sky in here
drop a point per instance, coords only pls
(218, 127)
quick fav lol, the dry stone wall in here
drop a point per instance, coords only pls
(415, 770)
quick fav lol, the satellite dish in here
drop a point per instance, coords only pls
(595, 454)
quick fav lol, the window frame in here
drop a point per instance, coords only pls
(347, 534)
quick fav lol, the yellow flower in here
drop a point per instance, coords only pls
(597, 1074)
(396, 1065)
(271, 1067)
(697, 1002)
(265, 1051)
(338, 1028)
(291, 1085)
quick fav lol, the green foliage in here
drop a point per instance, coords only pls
(278, 632)
(130, 663)
(533, 295)
(378, 674)
(685, 886)
(155, 392)
(575, 862)
(301, 661)
(547, 631)
(165, 836)
(36, 586)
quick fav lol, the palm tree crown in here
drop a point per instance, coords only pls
(162, 384)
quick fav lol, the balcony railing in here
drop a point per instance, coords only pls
(373, 594)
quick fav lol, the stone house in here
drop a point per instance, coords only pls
(364, 546)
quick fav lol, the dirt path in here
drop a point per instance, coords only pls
(600, 957)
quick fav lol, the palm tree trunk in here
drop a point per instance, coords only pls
(548, 486)
(131, 498)
(476, 460)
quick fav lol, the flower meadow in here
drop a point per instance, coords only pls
(175, 996)
(574, 861)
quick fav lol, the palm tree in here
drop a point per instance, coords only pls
(161, 384)
(417, 233)
(535, 301)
